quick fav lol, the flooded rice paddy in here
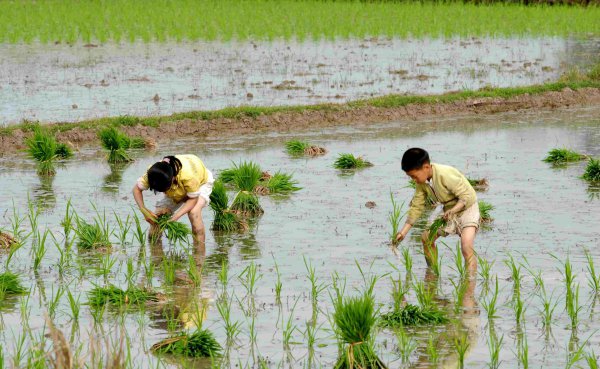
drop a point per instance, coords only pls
(542, 216)
(76, 82)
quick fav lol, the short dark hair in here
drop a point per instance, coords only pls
(414, 158)
(161, 175)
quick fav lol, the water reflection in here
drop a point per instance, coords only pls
(113, 180)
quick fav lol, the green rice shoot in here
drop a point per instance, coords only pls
(99, 296)
(225, 219)
(484, 211)
(201, 343)
(175, 231)
(116, 143)
(41, 147)
(91, 236)
(246, 178)
(592, 171)
(296, 147)
(63, 151)
(349, 161)
(281, 183)
(478, 183)
(354, 319)
(412, 315)
(563, 156)
(10, 285)
(434, 229)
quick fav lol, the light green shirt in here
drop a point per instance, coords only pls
(447, 187)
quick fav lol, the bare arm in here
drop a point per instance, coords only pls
(186, 208)
(139, 200)
(403, 232)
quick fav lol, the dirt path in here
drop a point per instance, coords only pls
(345, 115)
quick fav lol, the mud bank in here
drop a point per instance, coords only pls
(314, 117)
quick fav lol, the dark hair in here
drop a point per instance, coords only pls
(414, 158)
(163, 174)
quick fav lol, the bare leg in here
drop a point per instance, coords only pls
(467, 243)
(199, 233)
(429, 248)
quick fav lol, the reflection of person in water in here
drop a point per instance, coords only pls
(468, 323)
(187, 185)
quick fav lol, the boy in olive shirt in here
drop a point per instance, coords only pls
(448, 186)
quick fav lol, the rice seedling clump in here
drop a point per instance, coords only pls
(116, 143)
(279, 183)
(301, 148)
(6, 240)
(201, 343)
(225, 219)
(246, 178)
(113, 295)
(92, 236)
(349, 161)
(435, 227)
(592, 171)
(44, 149)
(413, 315)
(484, 211)
(175, 231)
(354, 319)
(479, 184)
(10, 285)
(562, 156)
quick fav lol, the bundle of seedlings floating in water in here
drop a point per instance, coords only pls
(354, 319)
(484, 211)
(278, 183)
(225, 219)
(301, 148)
(479, 184)
(7, 241)
(175, 231)
(99, 296)
(44, 149)
(563, 156)
(349, 161)
(592, 171)
(117, 143)
(246, 178)
(10, 285)
(201, 343)
(94, 236)
(414, 315)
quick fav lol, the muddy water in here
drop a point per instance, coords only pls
(75, 82)
(540, 211)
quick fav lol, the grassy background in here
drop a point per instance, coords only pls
(160, 20)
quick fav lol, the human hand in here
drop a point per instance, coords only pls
(399, 237)
(448, 214)
(149, 216)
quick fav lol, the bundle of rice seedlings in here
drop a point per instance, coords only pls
(435, 227)
(10, 285)
(6, 240)
(116, 143)
(414, 315)
(63, 151)
(227, 175)
(479, 184)
(278, 183)
(175, 231)
(349, 161)
(484, 211)
(225, 219)
(246, 178)
(563, 156)
(42, 148)
(201, 343)
(592, 171)
(115, 296)
(299, 148)
(91, 236)
(354, 318)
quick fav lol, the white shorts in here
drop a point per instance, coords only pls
(468, 218)
(205, 191)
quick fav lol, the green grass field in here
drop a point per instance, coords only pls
(71, 21)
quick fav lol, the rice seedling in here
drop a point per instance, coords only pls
(279, 183)
(113, 295)
(484, 211)
(432, 350)
(200, 343)
(519, 309)
(523, 352)
(278, 283)
(303, 148)
(169, 269)
(225, 219)
(485, 268)
(248, 278)
(459, 262)
(412, 315)
(10, 284)
(548, 307)
(92, 236)
(194, 272)
(434, 230)
(461, 345)
(407, 260)
(74, 305)
(479, 184)
(39, 248)
(41, 146)
(515, 274)
(316, 287)
(489, 304)
(116, 143)
(398, 294)
(563, 156)
(354, 319)
(573, 307)
(139, 233)
(591, 360)
(223, 278)
(227, 175)
(592, 171)
(247, 176)
(288, 327)
(495, 345)
(232, 328)
(349, 161)
(406, 344)
(124, 227)
(424, 294)
(63, 151)
(593, 278)
(395, 217)
(54, 300)
(176, 232)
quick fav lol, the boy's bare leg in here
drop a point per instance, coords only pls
(198, 231)
(429, 248)
(467, 242)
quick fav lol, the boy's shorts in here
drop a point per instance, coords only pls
(204, 192)
(469, 218)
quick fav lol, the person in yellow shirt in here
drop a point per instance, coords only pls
(448, 186)
(187, 185)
